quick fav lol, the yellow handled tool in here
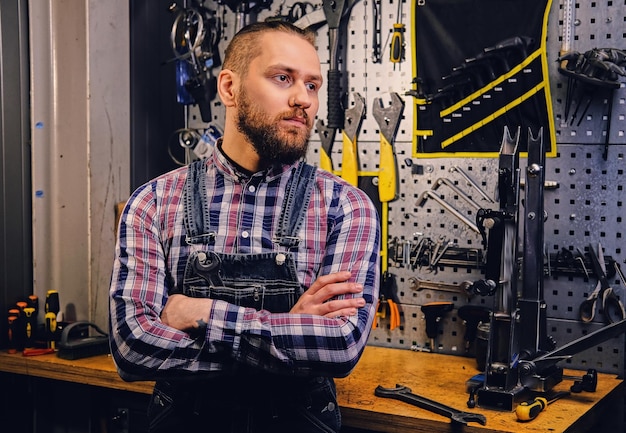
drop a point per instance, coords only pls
(388, 119)
(52, 309)
(327, 137)
(396, 48)
(529, 410)
(349, 155)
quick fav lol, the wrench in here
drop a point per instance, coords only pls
(456, 168)
(447, 206)
(456, 189)
(403, 393)
(419, 285)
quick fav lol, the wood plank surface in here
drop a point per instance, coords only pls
(435, 376)
(95, 370)
(442, 378)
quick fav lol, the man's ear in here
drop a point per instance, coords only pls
(226, 87)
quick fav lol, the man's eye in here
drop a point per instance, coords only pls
(282, 78)
(312, 86)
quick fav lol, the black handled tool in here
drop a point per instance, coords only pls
(333, 9)
(403, 393)
(433, 312)
(612, 307)
(473, 315)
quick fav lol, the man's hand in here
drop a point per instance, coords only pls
(317, 299)
(185, 313)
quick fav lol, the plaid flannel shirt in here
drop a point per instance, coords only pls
(340, 232)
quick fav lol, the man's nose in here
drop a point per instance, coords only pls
(300, 96)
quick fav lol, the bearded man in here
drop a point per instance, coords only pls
(246, 281)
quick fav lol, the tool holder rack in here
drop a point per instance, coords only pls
(586, 207)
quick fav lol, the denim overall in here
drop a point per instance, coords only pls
(244, 400)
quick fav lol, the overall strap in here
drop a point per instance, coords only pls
(196, 206)
(297, 199)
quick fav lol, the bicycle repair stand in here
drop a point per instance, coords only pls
(521, 357)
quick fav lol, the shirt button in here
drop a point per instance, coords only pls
(245, 234)
(251, 188)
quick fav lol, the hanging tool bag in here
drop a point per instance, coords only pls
(479, 66)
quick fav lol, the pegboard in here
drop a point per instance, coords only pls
(594, 24)
(584, 209)
(583, 205)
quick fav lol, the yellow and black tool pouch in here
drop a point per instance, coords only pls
(479, 66)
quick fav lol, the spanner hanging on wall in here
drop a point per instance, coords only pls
(388, 119)
(333, 9)
(350, 153)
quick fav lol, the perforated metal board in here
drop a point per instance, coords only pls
(586, 208)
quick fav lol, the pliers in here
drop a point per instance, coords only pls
(386, 303)
(612, 308)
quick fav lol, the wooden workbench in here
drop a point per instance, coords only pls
(438, 377)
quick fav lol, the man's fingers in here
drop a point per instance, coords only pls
(347, 312)
(341, 307)
(325, 280)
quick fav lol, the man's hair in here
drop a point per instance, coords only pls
(245, 45)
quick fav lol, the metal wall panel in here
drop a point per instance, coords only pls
(15, 198)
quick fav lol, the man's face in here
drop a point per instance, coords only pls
(278, 98)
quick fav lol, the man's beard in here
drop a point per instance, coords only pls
(272, 144)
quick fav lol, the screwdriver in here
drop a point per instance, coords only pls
(13, 318)
(20, 336)
(52, 309)
(30, 324)
(33, 301)
(396, 54)
(529, 410)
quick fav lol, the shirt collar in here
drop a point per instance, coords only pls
(229, 166)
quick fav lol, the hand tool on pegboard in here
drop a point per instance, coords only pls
(611, 306)
(594, 70)
(397, 46)
(333, 9)
(376, 31)
(464, 288)
(403, 393)
(388, 119)
(473, 315)
(433, 313)
(246, 11)
(327, 138)
(195, 36)
(566, 46)
(349, 155)
(387, 302)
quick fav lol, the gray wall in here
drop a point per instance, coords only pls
(15, 197)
